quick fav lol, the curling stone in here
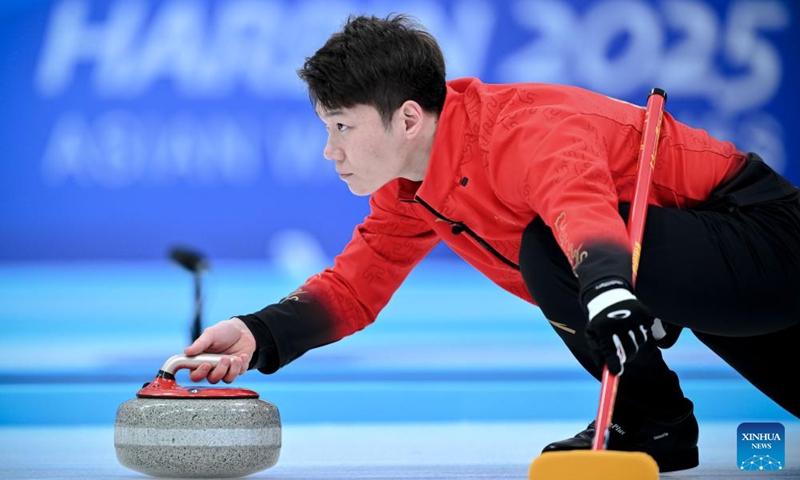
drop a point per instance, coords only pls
(196, 432)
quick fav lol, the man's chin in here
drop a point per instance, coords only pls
(360, 192)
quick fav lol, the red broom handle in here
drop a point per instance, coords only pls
(651, 131)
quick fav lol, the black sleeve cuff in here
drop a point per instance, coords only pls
(602, 263)
(285, 331)
(604, 285)
(265, 358)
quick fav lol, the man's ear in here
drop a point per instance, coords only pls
(412, 117)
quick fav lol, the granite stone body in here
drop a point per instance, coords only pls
(197, 438)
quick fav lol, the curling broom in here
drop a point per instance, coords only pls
(599, 463)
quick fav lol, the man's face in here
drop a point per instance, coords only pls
(367, 155)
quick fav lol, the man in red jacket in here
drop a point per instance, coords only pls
(531, 184)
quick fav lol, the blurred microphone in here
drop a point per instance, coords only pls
(189, 259)
(196, 263)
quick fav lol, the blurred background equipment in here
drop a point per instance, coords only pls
(197, 264)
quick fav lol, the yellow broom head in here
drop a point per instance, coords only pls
(593, 465)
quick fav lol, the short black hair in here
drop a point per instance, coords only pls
(381, 62)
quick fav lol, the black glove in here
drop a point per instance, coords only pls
(665, 334)
(619, 324)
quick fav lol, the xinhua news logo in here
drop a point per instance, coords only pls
(761, 447)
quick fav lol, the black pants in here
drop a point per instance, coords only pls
(731, 277)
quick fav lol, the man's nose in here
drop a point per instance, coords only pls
(331, 153)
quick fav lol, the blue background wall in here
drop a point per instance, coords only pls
(129, 125)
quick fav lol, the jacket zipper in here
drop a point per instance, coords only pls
(458, 227)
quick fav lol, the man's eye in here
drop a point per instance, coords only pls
(341, 127)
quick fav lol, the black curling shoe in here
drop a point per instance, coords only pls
(671, 443)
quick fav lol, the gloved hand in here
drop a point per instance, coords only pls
(665, 334)
(619, 325)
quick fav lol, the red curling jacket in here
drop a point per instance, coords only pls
(503, 155)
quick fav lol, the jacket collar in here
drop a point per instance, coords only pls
(443, 173)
